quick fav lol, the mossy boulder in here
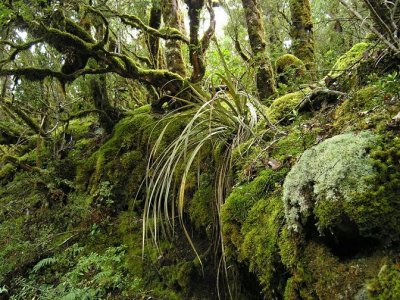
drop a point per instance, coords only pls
(283, 108)
(319, 274)
(343, 75)
(290, 69)
(346, 188)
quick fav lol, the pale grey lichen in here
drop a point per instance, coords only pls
(328, 175)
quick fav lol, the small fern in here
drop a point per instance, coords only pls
(44, 263)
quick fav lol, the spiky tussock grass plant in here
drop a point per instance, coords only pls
(225, 120)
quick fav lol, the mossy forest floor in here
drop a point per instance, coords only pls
(313, 211)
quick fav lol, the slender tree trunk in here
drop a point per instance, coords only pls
(153, 41)
(302, 33)
(173, 52)
(255, 28)
(198, 47)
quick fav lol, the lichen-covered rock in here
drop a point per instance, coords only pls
(339, 186)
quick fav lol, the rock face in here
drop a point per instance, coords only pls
(334, 189)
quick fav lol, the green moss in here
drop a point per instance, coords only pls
(200, 206)
(7, 171)
(351, 69)
(297, 140)
(302, 32)
(261, 231)
(290, 70)
(318, 274)
(81, 128)
(121, 160)
(283, 107)
(387, 284)
(365, 109)
(237, 205)
(348, 59)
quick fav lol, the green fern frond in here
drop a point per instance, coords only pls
(44, 263)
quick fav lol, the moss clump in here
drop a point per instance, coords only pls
(283, 107)
(340, 77)
(237, 205)
(348, 60)
(200, 206)
(338, 184)
(121, 160)
(387, 284)
(290, 69)
(318, 274)
(261, 231)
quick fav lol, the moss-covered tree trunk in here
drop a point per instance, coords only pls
(197, 46)
(302, 33)
(173, 48)
(153, 41)
(255, 28)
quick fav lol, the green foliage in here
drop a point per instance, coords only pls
(227, 119)
(90, 276)
(43, 263)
